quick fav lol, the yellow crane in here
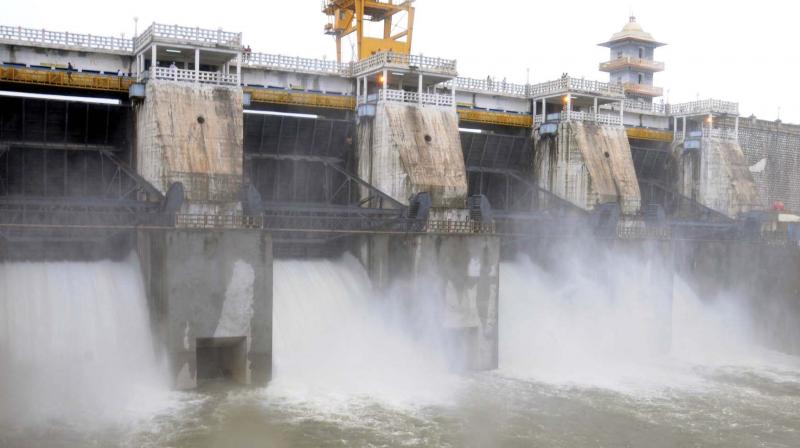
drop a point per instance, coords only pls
(348, 16)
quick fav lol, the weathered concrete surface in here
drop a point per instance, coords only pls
(588, 165)
(210, 285)
(450, 283)
(406, 149)
(192, 133)
(718, 177)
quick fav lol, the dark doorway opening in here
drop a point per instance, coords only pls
(222, 359)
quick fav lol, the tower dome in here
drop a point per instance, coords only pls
(632, 31)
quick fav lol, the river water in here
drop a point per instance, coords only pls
(582, 356)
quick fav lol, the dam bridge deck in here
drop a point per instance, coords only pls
(25, 225)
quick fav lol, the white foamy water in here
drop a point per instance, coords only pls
(583, 362)
(608, 323)
(76, 346)
(337, 340)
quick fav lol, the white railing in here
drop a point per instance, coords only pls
(727, 134)
(679, 136)
(349, 69)
(294, 64)
(703, 107)
(403, 96)
(643, 106)
(604, 119)
(562, 85)
(422, 63)
(189, 34)
(179, 74)
(36, 37)
(565, 85)
(489, 86)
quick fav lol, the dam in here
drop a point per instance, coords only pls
(199, 239)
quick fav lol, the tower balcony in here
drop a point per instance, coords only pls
(643, 89)
(632, 63)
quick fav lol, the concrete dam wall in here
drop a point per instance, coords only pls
(718, 177)
(192, 133)
(406, 149)
(772, 150)
(588, 165)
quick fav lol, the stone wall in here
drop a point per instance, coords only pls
(772, 150)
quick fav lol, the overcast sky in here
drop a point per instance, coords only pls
(715, 49)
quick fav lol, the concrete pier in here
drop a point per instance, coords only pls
(588, 164)
(210, 295)
(716, 174)
(192, 133)
(451, 280)
(407, 149)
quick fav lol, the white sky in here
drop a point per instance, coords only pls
(724, 50)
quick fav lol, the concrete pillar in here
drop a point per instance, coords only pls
(461, 272)
(595, 106)
(674, 127)
(622, 112)
(196, 64)
(154, 61)
(238, 69)
(736, 127)
(419, 90)
(684, 127)
(544, 109)
(533, 110)
(569, 105)
(358, 90)
(385, 80)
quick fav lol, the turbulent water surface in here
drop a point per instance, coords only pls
(583, 363)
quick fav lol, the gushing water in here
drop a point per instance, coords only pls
(336, 337)
(618, 323)
(591, 354)
(76, 345)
